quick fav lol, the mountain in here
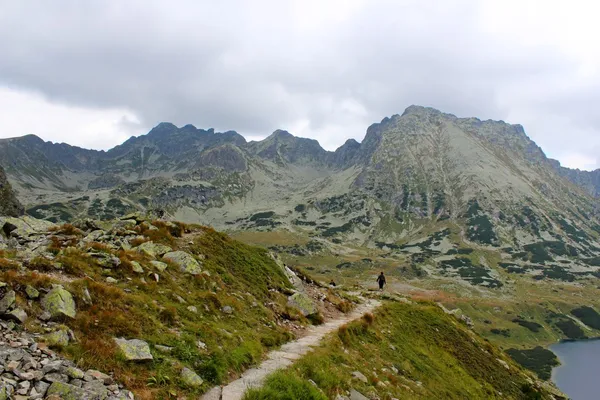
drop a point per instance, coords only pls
(9, 205)
(589, 180)
(467, 182)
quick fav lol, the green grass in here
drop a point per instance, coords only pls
(410, 352)
(282, 386)
(237, 275)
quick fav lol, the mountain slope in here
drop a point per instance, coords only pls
(9, 205)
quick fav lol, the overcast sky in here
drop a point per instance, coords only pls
(92, 73)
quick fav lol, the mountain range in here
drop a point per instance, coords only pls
(466, 181)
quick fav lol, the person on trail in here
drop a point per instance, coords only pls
(381, 280)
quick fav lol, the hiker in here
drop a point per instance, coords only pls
(332, 283)
(381, 280)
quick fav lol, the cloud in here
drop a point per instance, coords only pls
(325, 70)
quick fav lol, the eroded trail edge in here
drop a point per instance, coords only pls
(286, 355)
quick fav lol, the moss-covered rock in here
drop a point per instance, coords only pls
(137, 268)
(59, 338)
(190, 378)
(302, 302)
(59, 303)
(32, 292)
(159, 265)
(134, 349)
(186, 262)
(153, 249)
(64, 391)
(7, 301)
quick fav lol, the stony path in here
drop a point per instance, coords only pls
(285, 356)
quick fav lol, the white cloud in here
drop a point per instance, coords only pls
(24, 113)
(325, 70)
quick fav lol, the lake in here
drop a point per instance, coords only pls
(578, 376)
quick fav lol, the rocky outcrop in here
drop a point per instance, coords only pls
(9, 205)
(32, 371)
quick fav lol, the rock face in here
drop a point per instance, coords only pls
(134, 349)
(59, 303)
(9, 205)
(186, 262)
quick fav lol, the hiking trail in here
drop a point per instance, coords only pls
(285, 356)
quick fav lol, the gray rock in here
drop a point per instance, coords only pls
(227, 310)
(163, 349)
(136, 267)
(302, 302)
(134, 349)
(159, 265)
(59, 303)
(32, 292)
(92, 374)
(359, 375)
(190, 378)
(18, 315)
(69, 392)
(153, 250)
(356, 395)
(7, 301)
(186, 262)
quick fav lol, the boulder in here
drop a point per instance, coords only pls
(7, 301)
(134, 349)
(302, 302)
(136, 267)
(159, 265)
(25, 226)
(32, 292)
(18, 315)
(57, 338)
(186, 262)
(153, 249)
(59, 303)
(190, 378)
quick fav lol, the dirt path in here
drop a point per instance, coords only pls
(286, 355)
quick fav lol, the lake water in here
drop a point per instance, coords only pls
(578, 375)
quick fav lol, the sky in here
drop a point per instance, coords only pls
(93, 73)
